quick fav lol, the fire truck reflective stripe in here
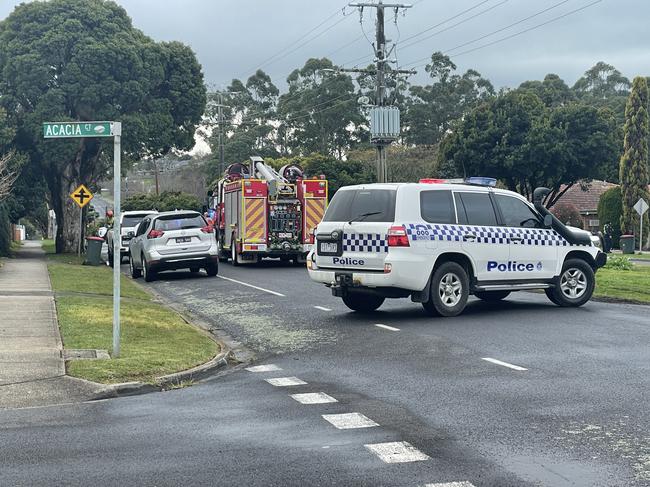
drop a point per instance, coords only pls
(314, 211)
(255, 219)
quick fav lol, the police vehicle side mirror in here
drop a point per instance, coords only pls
(548, 221)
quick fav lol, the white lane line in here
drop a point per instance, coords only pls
(451, 484)
(397, 452)
(250, 285)
(285, 381)
(263, 368)
(313, 398)
(322, 308)
(505, 364)
(349, 421)
(386, 327)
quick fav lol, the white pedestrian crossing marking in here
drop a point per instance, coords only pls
(349, 421)
(386, 327)
(397, 452)
(504, 364)
(313, 398)
(285, 381)
(451, 484)
(263, 368)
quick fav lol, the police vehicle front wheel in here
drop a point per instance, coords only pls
(575, 285)
(492, 295)
(449, 290)
(362, 302)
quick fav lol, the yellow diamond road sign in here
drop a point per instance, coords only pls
(81, 196)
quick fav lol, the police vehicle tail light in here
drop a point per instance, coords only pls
(397, 237)
(207, 229)
(155, 234)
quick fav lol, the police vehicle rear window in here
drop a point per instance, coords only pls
(437, 207)
(368, 205)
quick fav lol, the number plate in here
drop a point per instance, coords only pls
(328, 247)
(183, 239)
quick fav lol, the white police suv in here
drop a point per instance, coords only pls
(438, 242)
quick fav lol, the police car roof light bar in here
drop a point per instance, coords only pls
(432, 181)
(481, 181)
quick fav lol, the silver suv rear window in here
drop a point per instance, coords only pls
(377, 204)
(179, 222)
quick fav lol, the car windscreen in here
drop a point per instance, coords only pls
(368, 205)
(132, 220)
(179, 222)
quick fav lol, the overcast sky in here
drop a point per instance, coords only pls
(232, 38)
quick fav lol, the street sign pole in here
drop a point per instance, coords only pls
(117, 238)
(641, 207)
(75, 130)
(81, 229)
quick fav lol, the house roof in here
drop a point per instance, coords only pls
(586, 201)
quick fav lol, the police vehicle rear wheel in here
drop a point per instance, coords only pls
(212, 270)
(449, 290)
(575, 285)
(361, 302)
(492, 295)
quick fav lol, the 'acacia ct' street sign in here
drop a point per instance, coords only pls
(63, 130)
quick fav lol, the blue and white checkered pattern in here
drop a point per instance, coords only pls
(364, 242)
(489, 235)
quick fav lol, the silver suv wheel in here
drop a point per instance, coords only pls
(573, 283)
(450, 289)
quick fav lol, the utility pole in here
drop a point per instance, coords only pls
(220, 108)
(381, 59)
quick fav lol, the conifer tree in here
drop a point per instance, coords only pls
(634, 162)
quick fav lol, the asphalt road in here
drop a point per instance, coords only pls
(572, 412)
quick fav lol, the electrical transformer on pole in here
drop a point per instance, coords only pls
(384, 119)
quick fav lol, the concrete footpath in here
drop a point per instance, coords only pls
(32, 370)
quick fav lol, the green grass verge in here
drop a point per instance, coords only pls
(631, 285)
(155, 340)
(68, 276)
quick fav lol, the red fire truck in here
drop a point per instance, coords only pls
(261, 212)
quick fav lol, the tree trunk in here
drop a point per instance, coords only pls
(67, 219)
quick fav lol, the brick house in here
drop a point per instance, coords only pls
(587, 201)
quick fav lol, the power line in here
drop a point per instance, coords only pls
(495, 31)
(446, 20)
(530, 28)
(362, 58)
(272, 58)
(357, 39)
(559, 17)
(455, 25)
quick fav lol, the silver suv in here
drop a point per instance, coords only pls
(173, 240)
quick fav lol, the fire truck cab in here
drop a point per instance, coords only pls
(261, 212)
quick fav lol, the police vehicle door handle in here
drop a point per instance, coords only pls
(515, 238)
(469, 237)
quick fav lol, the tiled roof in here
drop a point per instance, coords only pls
(586, 200)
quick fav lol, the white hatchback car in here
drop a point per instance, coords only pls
(439, 242)
(173, 240)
